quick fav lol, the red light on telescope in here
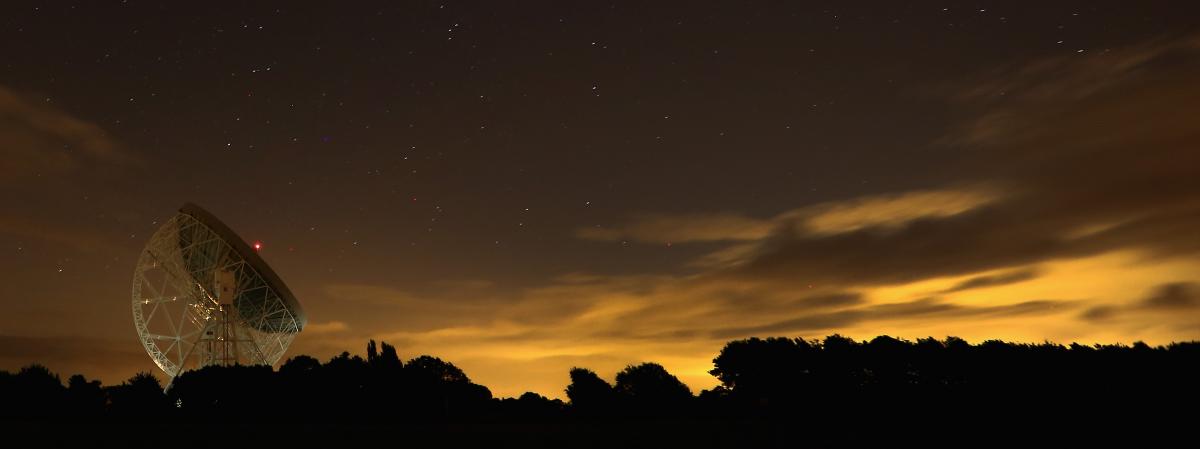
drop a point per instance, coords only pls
(257, 246)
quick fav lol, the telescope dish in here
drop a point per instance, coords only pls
(202, 296)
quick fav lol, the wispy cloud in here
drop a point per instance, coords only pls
(882, 211)
(660, 228)
(1173, 299)
(329, 327)
(993, 280)
(41, 140)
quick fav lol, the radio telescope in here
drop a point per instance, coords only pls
(202, 296)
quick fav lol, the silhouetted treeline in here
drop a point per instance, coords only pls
(834, 389)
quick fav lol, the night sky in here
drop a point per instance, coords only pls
(523, 187)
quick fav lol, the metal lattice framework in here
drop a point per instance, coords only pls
(202, 297)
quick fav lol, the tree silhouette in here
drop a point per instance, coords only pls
(589, 394)
(649, 388)
(85, 397)
(531, 405)
(764, 372)
(436, 384)
(299, 365)
(34, 391)
(227, 390)
(388, 385)
(388, 359)
(142, 394)
(345, 379)
(773, 392)
(432, 369)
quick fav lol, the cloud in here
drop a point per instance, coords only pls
(41, 140)
(1173, 297)
(925, 308)
(1080, 76)
(369, 294)
(1107, 165)
(889, 210)
(50, 160)
(658, 228)
(375, 306)
(992, 280)
(986, 239)
(1166, 301)
(1099, 313)
(886, 210)
(329, 327)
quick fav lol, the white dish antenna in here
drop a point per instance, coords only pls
(202, 296)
